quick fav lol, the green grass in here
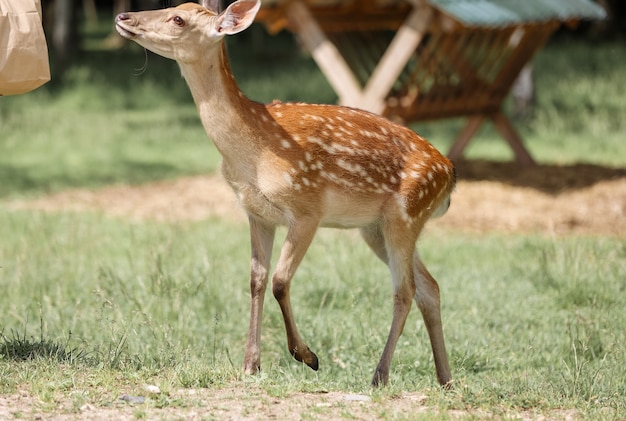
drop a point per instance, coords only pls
(93, 305)
(530, 322)
(100, 128)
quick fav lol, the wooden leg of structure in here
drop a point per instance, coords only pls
(395, 58)
(325, 54)
(508, 132)
(464, 137)
(338, 72)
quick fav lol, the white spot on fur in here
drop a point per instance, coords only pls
(401, 201)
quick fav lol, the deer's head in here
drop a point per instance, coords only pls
(187, 32)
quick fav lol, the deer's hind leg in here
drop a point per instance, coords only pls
(374, 238)
(427, 300)
(399, 246)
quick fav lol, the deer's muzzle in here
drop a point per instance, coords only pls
(123, 25)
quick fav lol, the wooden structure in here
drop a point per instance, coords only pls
(416, 60)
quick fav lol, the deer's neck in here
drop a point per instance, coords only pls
(222, 106)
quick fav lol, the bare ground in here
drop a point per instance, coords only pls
(241, 402)
(500, 197)
(490, 197)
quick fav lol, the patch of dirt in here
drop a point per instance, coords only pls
(183, 199)
(501, 197)
(242, 402)
(552, 199)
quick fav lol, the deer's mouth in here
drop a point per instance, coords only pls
(124, 23)
(125, 32)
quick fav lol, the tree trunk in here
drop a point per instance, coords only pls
(65, 40)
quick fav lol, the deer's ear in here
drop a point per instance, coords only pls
(213, 5)
(237, 17)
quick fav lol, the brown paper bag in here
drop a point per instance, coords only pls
(23, 51)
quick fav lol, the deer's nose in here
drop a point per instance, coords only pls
(121, 17)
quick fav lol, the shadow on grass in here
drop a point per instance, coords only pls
(21, 348)
(548, 178)
(30, 181)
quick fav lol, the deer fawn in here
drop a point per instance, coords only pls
(306, 166)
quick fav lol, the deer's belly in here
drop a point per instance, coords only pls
(338, 208)
(260, 206)
(341, 209)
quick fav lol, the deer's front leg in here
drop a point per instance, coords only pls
(299, 237)
(262, 238)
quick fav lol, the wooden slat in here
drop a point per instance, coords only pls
(424, 110)
(442, 94)
(464, 137)
(395, 58)
(535, 38)
(497, 53)
(422, 75)
(465, 72)
(371, 4)
(324, 53)
(355, 16)
(508, 132)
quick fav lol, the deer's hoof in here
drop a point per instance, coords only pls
(251, 368)
(449, 385)
(313, 363)
(308, 357)
(380, 379)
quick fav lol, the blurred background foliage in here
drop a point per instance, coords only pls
(115, 113)
(63, 20)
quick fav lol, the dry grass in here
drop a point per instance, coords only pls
(540, 201)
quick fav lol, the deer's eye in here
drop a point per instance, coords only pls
(178, 21)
